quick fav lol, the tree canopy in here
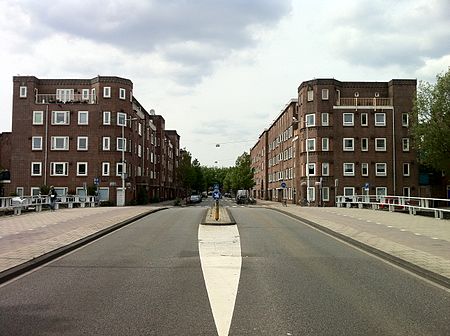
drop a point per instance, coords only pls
(430, 127)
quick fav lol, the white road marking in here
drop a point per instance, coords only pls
(220, 256)
(403, 230)
(417, 234)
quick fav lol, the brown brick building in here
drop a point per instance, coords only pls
(74, 133)
(347, 138)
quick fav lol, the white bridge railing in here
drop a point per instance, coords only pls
(412, 205)
(38, 203)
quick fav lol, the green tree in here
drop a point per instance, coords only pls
(185, 172)
(430, 127)
(241, 175)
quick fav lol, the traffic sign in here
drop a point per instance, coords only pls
(283, 184)
(216, 194)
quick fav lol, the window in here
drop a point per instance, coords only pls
(19, 191)
(121, 119)
(122, 93)
(364, 119)
(324, 118)
(310, 95)
(380, 169)
(139, 151)
(312, 194)
(83, 117)
(23, 92)
(349, 169)
(311, 169)
(364, 144)
(325, 169)
(93, 95)
(59, 168)
(35, 191)
(105, 168)
(36, 168)
(140, 129)
(347, 119)
(106, 118)
(405, 144)
(405, 169)
(60, 118)
(119, 167)
(310, 120)
(107, 92)
(106, 143)
(348, 144)
(324, 94)
(405, 119)
(38, 117)
(311, 145)
(325, 144)
(380, 119)
(349, 191)
(381, 191)
(364, 169)
(82, 143)
(121, 144)
(82, 168)
(325, 194)
(60, 143)
(380, 144)
(103, 194)
(85, 94)
(407, 191)
(36, 143)
(64, 95)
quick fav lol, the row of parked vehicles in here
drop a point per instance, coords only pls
(242, 197)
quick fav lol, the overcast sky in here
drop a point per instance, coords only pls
(220, 71)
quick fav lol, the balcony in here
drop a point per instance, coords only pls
(75, 98)
(364, 103)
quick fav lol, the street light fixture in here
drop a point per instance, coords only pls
(122, 203)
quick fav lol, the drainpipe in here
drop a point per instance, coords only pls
(46, 145)
(393, 149)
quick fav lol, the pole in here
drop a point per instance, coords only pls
(216, 212)
(307, 162)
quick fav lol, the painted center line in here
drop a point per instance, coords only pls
(221, 260)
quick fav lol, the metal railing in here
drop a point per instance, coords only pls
(75, 98)
(38, 203)
(413, 205)
(365, 102)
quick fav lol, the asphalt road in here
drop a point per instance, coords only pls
(146, 279)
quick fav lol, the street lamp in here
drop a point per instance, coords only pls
(123, 159)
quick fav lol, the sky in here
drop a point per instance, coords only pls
(220, 71)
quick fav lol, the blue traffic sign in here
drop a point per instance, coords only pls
(216, 194)
(283, 184)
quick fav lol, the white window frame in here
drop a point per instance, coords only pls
(325, 194)
(406, 172)
(122, 93)
(325, 94)
(56, 115)
(38, 115)
(380, 191)
(348, 165)
(107, 92)
(78, 143)
(405, 144)
(40, 168)
(53, 167)
(349, 191)
(119, 167)
(380, 123)
(348, 123)
(312, 166)
(346, 148)
(309, 142)
(85, 94)
(380, 173)
(123, 144)
(364, 144)
(121, 119)
(106, 168)
(106, 143)
(364, 122)
(80, 115)
(33, 147)
(405, 119)
(140, 129)
(23, 90)
(325, 144)
(35, 191)
(364, 166)
(101, 191)
(325, 169)
(106, 117)
(380, 148)
(310, 95)
(312, 194)
(79, 164)
(406, 191)
(325, 119)
(310, 120)
(54, 142)
(19, 191)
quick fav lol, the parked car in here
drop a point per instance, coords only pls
(195, 199)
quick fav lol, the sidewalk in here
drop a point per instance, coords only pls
(420, 244)
(33, 238)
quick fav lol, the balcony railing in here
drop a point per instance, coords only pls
(75, 98)
(372, 103)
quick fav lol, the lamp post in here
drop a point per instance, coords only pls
(307, 161)
(123, 159)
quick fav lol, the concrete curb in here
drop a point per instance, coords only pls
(15, 271)
(230, 216)
(427, 274)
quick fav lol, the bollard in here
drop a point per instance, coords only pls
(216, 213)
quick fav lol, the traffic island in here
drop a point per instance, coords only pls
(223, 215)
